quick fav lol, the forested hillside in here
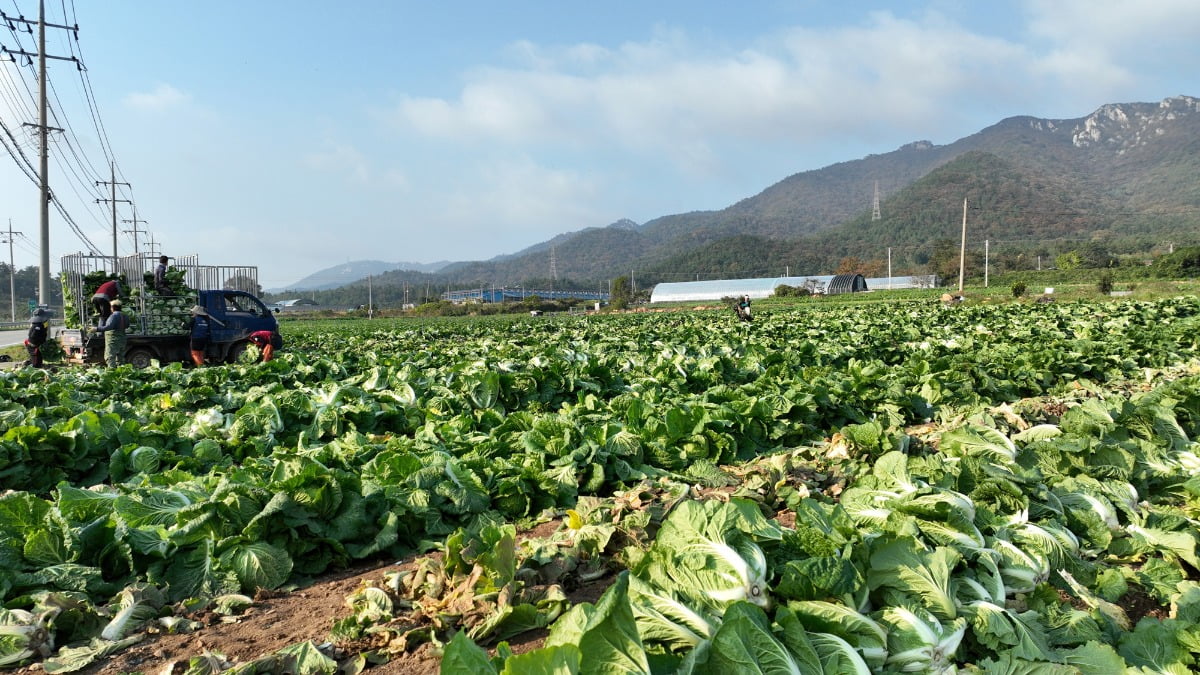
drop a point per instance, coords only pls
(1120, 182)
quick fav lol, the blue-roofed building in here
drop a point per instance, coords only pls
(690, 291)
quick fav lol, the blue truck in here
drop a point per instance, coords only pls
(160, 325)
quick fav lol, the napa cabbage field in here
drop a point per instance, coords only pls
(884, 488)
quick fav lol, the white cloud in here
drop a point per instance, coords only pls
(668, 96)
(520, 199)
(396, 179)
(164, 97)
(340, 158)
(1114, 23)
(1102, 48)
(882, 77)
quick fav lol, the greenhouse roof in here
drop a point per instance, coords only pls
(684, 291)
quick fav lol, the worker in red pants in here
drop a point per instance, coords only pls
(268, 341)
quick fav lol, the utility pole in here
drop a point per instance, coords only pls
(889, 267)
(152, 247)
(114, 200)
(985, 263)
(135, 230)
(12, 273)
(44, 129)
(962, 252)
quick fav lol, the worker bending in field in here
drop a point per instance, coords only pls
(268, 341)
(39, 330)
(114, 335)
(102, 300)
(743, 308)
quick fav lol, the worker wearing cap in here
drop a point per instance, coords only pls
(102, 300)
(268, 341)
(39, 330)
(114, 334)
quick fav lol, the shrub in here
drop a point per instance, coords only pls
(1018, 289)
(1105, 285)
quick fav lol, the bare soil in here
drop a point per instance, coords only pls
(277, 620)
(271, 624)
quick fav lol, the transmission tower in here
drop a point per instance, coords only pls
(875, 205)
(135, 220)
(553, 267)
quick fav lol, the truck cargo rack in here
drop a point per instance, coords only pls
(133, 269)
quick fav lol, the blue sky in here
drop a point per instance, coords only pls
(299, 135)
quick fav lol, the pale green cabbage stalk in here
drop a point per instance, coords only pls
(23, 635)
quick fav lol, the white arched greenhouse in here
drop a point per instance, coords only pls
(691, 291)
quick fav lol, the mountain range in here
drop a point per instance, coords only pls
(350, 272)
(1124, 179)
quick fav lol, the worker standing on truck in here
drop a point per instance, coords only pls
(105, 295)
(268, 341)
(160, 277)
(114, 335)
(38, 332)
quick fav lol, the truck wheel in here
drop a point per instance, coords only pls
(235, 353)
(140, 357)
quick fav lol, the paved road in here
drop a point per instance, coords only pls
(9, 338)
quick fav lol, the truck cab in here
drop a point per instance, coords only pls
(237, 314)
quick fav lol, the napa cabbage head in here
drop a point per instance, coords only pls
(707, 555)
(207, 424)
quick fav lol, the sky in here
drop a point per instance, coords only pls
(296, 135)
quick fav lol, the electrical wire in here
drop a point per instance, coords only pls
(76, 166)
(15, 151)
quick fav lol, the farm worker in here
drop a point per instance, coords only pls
(160, 277)
(201, 331)
(114, 335)
(38, 332)
(744, 307)
(102, 300)
(268, 341)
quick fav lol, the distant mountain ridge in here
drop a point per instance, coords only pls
(357, 270)
(1125, 176)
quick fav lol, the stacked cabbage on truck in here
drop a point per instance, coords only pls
(159, 322)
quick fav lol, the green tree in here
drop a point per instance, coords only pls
(621, 293)
(1068, 261)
